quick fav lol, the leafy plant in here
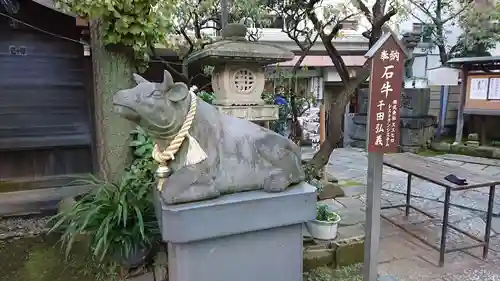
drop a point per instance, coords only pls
(208, 97)
(279, 126)
(141, 144)
(138, 24)
(118, 219)
(323, 214)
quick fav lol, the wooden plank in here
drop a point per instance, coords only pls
(435, 171)
(43, 182)
(43, 142)
(42, 163)
(37, 201)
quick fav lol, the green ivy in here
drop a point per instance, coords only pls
(207, 97)
(136, 24)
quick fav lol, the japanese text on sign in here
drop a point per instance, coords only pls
(385, 117)
(385, 89)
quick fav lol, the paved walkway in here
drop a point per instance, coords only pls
(401, 255)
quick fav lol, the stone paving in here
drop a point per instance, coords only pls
(401, 255)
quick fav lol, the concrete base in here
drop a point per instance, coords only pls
(245, 236)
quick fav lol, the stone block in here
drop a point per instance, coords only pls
(473, 137)
(354, 190)
(472, 151)
(350, 231)
(256, 234)
(223, 216)
(414, 101)
(441, 146)
(351, 216)
(314, 258)
(349, 251)
(350, 202)
(331, 178)
(496, 153)
(330, 190)
(472, 143)
(160, 266)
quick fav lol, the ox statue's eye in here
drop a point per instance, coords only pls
(157, 94)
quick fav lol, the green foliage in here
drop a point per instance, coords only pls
(142, 24)
(118, 219)
(480, 26)
(481, 32)
(323, 214)
(310, 173)
(142, 145)
(294, 90)
(319, 274)
(137, 24)
(207, 97)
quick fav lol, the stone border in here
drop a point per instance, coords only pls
(334, 254)
(478, 151)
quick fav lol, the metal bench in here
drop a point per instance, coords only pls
(435, 172)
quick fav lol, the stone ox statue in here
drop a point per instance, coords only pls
(230, 154)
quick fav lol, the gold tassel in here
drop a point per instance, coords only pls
(160, 183)
(195, 153)
(162, 173)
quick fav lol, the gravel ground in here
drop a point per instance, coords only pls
(477, 274)
(12, 227)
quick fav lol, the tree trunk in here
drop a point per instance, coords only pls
(296, 131)
(335, 125)
(112, 71)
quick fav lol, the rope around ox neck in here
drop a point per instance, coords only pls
(195, 153)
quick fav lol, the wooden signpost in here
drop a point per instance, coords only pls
(386, 83)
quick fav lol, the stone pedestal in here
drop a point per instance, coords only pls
(415, 131)
(417, 127)
(244, 236)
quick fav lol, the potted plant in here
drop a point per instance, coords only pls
(324, 227)
(117, 220)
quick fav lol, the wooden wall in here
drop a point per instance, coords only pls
(453, 102)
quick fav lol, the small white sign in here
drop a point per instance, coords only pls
(494, 93)
(443, 76)
(478, 89)
(317, 87)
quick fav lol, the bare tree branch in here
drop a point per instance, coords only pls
(169, 67)
(361, 5)
(424, 9)
(338, 26)
(459, 12)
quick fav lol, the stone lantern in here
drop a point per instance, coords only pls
(238, 76)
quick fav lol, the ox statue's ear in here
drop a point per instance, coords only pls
(168, 81)
(178, 92)
(139, 79)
